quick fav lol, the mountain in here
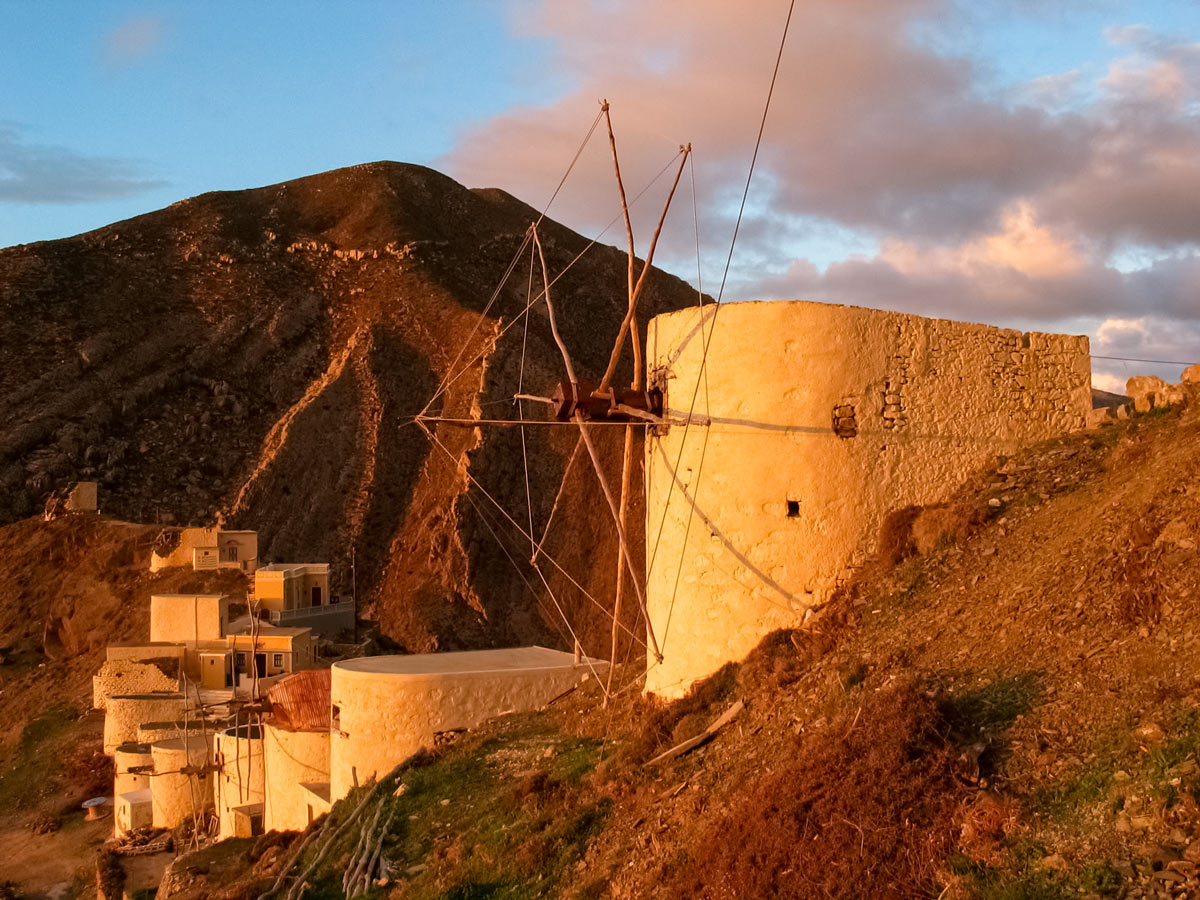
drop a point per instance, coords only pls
(261, 354)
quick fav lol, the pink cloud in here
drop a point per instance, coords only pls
(994, 207)
(136, 37)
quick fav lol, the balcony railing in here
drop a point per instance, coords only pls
(308, 613)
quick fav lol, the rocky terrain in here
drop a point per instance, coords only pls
(260, 354)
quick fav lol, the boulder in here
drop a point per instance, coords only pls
(1172, 395)
(1177, 533)
(1104, 415)
(1143, 389)
(1191, 375)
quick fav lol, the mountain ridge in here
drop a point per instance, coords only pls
(159, 355)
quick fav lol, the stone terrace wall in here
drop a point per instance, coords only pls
(124, 713)
(129, 676)
(823, 419)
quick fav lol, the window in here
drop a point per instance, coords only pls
(277, 660)
(316, 595)
(793, 509)
(240, 661)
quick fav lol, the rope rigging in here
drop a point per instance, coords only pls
(573, 403)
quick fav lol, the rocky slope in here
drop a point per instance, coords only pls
(261, 354)
(1012, 713)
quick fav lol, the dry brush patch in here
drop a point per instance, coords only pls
(865, 807)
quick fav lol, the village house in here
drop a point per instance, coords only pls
(324, 731)
(206, 549)
(297, 594)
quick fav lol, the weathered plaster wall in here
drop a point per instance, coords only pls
(133, 810)
(293, 758)
(242, 776)
(123, 713)
(126, 757)
(152, 732)
(823, 419)
(128, 676)
(181, 618)
(235, 549)
(182, 555)
(176, 794)
(384, 715)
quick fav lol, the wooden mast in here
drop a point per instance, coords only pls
(628, 325)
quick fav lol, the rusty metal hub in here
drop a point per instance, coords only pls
(580, 397)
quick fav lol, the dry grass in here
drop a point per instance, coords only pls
(920, 529)
(863, 808)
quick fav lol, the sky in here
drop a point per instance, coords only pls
(1028, 164)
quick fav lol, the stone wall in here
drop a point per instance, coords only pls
(123, 713)
(814, 422)
(129, 676)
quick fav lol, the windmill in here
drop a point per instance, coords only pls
(580, 404)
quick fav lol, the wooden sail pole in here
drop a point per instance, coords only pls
(606, 381)
(637, 350)
(629, 324)
(626, 471)
(621, 536)
(612, 143)
(562, 347)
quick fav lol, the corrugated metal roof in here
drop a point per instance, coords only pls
(301, 701)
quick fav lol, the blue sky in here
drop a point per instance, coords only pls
(204, 96)
(1023, 163)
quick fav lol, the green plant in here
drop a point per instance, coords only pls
(1100, 879)
(994, 706)
(1088, 784)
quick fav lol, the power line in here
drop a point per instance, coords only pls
(1163, 362)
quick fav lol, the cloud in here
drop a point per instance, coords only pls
(1142, 338)
(37, 173)
(1106, 381)
(959, 284)
(1141, 173)
(134, 39)
(868, 128)
(965, 200)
